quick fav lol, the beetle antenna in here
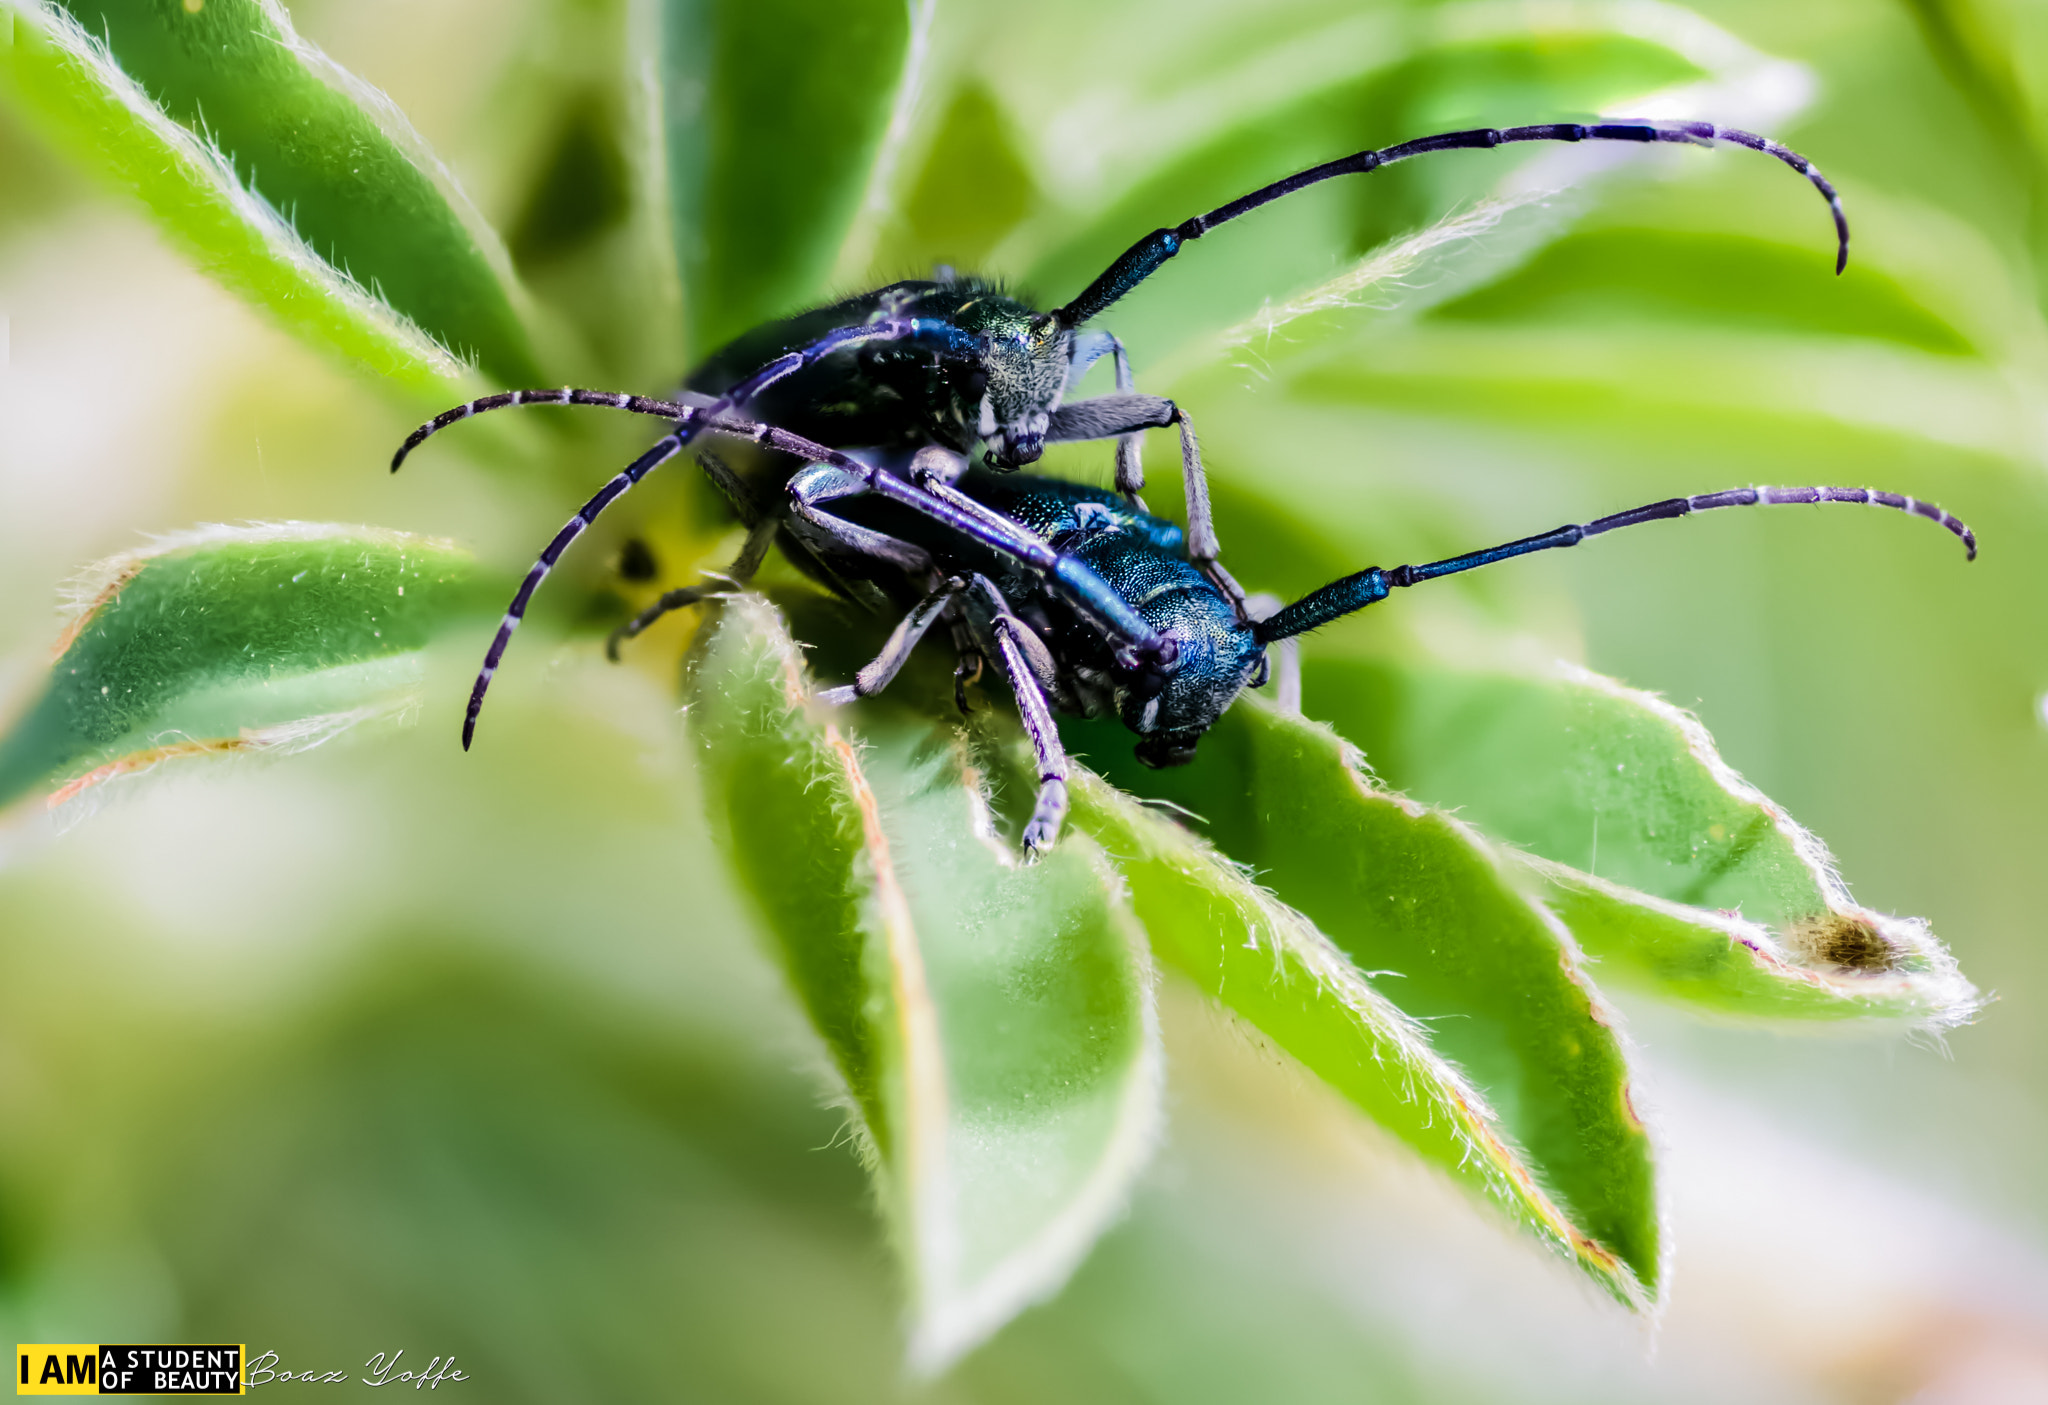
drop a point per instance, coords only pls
(666, 448)
(1143, 258)
(567, 395)
(690, 420)
(1341, 597)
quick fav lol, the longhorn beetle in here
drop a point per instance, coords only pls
(862, 415)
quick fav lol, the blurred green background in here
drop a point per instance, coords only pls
(391, 1048)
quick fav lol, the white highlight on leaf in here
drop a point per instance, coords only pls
(878, 199)
(1095, 146)
(1385, 268)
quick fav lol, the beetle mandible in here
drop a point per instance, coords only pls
(865, 413)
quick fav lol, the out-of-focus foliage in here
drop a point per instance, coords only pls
(285, 177)
(498, 1062)
(232, 639)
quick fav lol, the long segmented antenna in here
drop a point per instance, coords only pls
(1143, 258)
(691, 420)
(1355, 592)
(567, 395)
(665, 449)
(950, 337)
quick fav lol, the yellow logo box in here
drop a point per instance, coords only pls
(164, 1368)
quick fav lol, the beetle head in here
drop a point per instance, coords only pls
(1218, 656)
(1027, 375)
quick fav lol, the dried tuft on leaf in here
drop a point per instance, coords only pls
(1843, 939)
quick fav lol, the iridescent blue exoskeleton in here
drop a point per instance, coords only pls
(865, 417)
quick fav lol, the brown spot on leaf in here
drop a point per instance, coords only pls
(1843, 939)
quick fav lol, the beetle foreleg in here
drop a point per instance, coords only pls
(887, 664)
(838, 476)
(1090, 347)
(1017, 645)
(1130, 463)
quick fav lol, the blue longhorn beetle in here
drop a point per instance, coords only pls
(864, 413)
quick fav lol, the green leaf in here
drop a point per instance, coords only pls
(1410, 893)
(225, 639)
(1849, 965)
(284, 177)
(1675, 278)
(1744, 912)
(975, 188)
(775, 114)
(992, 1022)
(1253, 953)
(1383, 79)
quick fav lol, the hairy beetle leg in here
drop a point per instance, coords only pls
(1032, 675)
(887, 664)
(1043, 829)
(734, 577)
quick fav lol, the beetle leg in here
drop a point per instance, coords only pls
(1203, 547)
(823, 483)
(967, 666)
(1036, 656)
(734, 577)
(1024, 657)
(1108, 416)
(1090, 347)
(837, 475)
(887, 664)
(1130, 464)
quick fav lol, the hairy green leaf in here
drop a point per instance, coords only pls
(285, 177)
(1744, 912)
(227, 639)
(1413, 895)
(1248, 950)
(1851, 965)
(992, 1021)
(775, 114)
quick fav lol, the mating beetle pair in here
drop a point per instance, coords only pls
(863, 414)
